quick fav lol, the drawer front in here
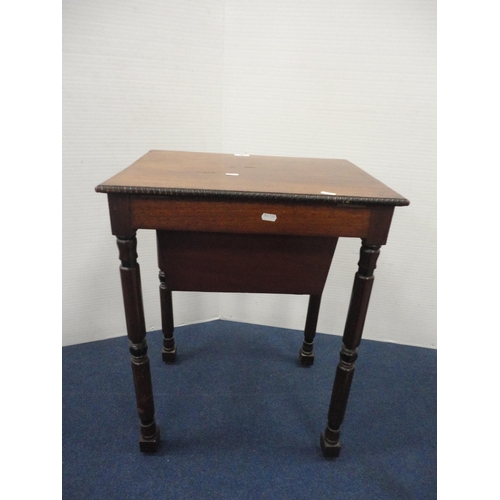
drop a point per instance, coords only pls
(250, 217)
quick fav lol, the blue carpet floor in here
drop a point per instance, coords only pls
(240, 419)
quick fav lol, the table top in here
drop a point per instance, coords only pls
(172, 173)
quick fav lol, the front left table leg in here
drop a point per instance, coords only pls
(136, 331)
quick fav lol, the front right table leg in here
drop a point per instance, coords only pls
(363, 282)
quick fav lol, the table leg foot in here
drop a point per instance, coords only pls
(150, 444)
(169, 355)
(306, 358)
(329, 449)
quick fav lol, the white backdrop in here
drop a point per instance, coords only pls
(338, 79)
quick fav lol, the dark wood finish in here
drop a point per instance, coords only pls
(358, 307)
(119, 213)
(378, 229)
(246, 224)
(136, 330)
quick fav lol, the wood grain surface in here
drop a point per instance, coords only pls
(177, 172)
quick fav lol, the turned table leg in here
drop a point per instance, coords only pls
(363, 282)
(306, 351)
(136, 330)
(169, 352)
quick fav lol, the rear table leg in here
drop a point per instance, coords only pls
(169, 352)
(306, 351)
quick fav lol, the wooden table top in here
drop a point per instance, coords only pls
(264, 177)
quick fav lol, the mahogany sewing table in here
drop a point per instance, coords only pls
(240, 223)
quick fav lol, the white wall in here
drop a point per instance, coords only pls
(338, 79)
(136, 76)
(344, 79)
